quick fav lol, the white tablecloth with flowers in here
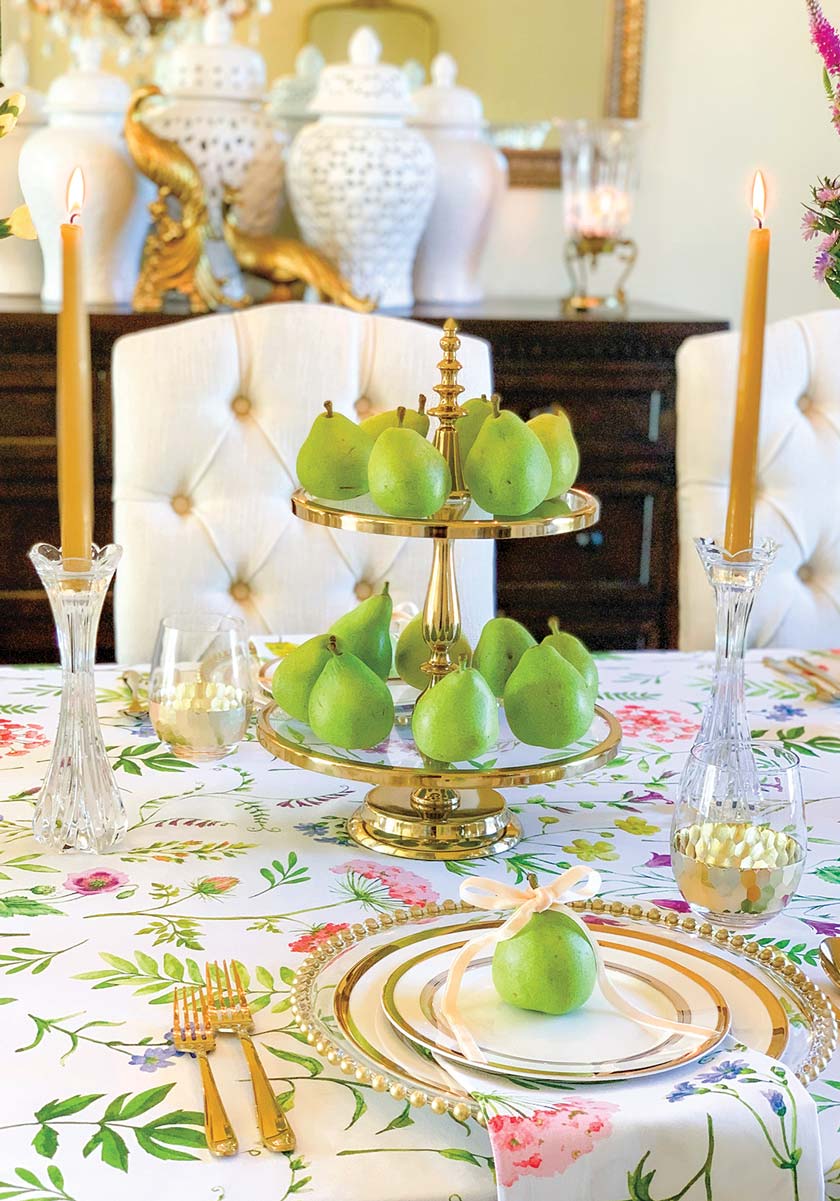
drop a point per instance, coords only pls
(248, 859)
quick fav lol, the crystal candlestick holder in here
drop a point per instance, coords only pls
(79, 807)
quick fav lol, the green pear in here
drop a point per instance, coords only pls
(507, 470)
(502, 644)
(572, 648)
(548, 965)
(377, 423)
(294, 677)
(476, 412)
(350, 706)
(555, 432)
(547, 701)
(333, 461)
(408, 476)
(366, 632)
(554, 507)
(413, 651)
(458, 719)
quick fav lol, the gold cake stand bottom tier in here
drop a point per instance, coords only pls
(395, 822)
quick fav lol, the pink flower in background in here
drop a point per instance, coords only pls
(402, 885)
(308, 942)
(809, 225)
(657, 725)
(550, 1140)
(18, 738)
(828, 243)
(95, 880)
(827, 195)
(825, 37)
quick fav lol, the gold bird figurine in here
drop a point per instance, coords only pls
(285, 262)
(174, 256)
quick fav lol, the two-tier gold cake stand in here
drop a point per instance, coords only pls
(420, 809)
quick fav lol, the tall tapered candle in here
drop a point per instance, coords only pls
(74, 415)
(741, 511)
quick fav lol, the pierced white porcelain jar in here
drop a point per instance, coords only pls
(212, 107)
(21, 266)
(472, 176)
(289, 100)
(361, 181)
(86, 108)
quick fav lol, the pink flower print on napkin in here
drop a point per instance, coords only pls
(98, 879)
(19, 738)
(550, 1140)
(655, 725)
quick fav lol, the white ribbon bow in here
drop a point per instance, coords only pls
(577, 883)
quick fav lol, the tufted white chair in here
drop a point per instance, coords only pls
(208, 417)
(798, 478)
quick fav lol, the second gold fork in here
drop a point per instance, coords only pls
(230, 1011)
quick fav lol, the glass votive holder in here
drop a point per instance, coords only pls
(200, 685)
(738, 837)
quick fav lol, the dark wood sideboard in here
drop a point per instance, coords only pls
(615, 585)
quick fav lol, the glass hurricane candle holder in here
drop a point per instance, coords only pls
(738, 859)
(79, 807)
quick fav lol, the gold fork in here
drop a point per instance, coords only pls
(193, 1031)
(230, 1011)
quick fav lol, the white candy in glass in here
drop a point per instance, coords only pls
(361, 181)
(472, 176)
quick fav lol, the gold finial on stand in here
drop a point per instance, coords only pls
(447, 411)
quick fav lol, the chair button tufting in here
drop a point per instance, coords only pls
(240, 591)
(363, 406)
(805, 573)
(363, 590)
(804, 403)
(182, 505)
(241, 406)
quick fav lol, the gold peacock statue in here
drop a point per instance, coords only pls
(174, 257)
(287, 263)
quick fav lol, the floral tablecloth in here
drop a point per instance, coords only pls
(248, 859)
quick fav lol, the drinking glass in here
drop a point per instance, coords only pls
(738, 859)
(200, 684)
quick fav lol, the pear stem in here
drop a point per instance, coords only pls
(386, 589)
(532, 880)
(328, 405)
(421, 404)
(495, 401)
(400, 415)
(332, 645)
(554, 625)
(462, 662)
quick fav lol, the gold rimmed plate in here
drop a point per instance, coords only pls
(592, 1043)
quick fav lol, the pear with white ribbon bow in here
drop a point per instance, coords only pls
(578, 883)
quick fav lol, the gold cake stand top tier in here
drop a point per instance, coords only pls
(458, 521)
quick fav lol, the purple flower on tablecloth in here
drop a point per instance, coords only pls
(686, 1088)
(829, 929)
(777, 1102)
(658, 859)
(782, 712)
(97, 879)
(153, 1058)
(728, 1069)
(668, 903)
(326, 829)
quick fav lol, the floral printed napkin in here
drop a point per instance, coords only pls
(734, 1126)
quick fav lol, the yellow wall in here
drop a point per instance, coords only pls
(528, 59)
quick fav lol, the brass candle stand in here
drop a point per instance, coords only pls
(583, 254)
(420, 809)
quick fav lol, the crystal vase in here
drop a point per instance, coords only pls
(79, 807)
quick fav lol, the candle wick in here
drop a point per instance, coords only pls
(758, 220)
(75, 217)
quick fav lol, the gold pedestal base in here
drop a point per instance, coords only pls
(473, 823)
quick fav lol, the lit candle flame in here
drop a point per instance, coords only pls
(75, 196)
(759, 198)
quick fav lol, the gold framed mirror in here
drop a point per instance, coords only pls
(529, 63)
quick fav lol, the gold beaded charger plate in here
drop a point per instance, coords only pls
(592, 1043)
(336, 996)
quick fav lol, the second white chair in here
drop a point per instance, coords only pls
(208, 417)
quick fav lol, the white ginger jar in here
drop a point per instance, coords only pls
(86, 109)
(214, 91)
(472, 177)
(290, 97)
(21, 266)
(361, 181)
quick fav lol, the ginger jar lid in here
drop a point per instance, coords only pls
(363, 86)
(216, 68)
(443, 102)
(291, 95)
(86, 89)
(14, 70)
